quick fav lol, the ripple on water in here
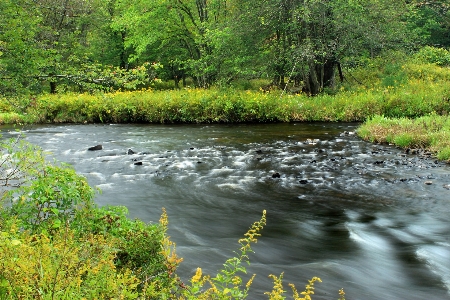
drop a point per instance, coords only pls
(105, 186)
(437, 258)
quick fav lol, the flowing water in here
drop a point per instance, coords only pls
(367, 218)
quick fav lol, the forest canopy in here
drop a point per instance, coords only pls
(88, 45)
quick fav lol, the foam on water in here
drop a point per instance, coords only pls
(437, 258)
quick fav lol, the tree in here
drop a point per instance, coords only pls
(19, 58)
(200, 38)
(430, 21)
(309, 38)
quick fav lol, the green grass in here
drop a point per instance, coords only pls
(430, 132)
(396, 87)
(384, 87)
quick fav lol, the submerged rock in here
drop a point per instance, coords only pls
(95, 148)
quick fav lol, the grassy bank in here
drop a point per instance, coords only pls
(429, 132)
(416, 98)
(396, 87)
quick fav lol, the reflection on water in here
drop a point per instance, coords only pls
(364, 217)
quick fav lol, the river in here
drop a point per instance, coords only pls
(367, 218)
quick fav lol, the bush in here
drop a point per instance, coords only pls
(88, 251)
(61, 266)
(433, 55)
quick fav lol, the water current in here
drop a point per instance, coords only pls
(363, 217)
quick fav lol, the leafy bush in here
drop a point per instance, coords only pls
(438, 56)
(50, 209)
(51, 199)
(61, 266)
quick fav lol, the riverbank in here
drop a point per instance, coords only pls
(393, 90)
(430, 132)
(418, 98)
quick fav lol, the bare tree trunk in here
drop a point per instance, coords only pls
(314, 84)
(319, 76)
(52, 87)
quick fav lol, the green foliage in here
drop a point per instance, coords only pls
(40, 196)
(63, 266)
(71, 45)
(429, 21)
(20, 162)
(51, 198)
(19, 56)
(394, 76)
(51, 211)
(402, 140)
(96, 77)
(433, 55)
(393, 87)
(138, 245)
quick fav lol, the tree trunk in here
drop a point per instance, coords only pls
(319, 76)
(312, 79)
(123, 55)
(329, 73)
(52, 87)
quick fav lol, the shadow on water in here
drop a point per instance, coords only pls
(368, 218)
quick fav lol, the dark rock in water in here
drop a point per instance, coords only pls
(428, 182)
(378, 162)
(192, 148)
(303, 181)
(276, 175)
(98, 147)
(259, 151)
(139, 163)
(130, 152)
(199, 162)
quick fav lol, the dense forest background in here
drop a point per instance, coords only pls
(86, 45)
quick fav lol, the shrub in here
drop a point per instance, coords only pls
(51, 204)
(438, 56)
(61, 266)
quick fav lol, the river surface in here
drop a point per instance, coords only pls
(367, 218)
